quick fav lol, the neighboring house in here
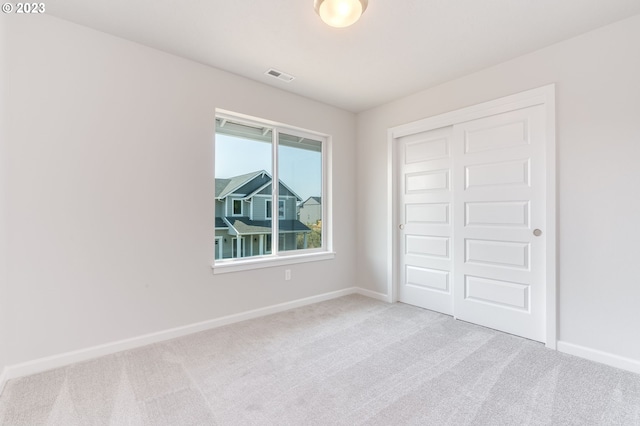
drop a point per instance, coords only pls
(311, 210)
(243, 216)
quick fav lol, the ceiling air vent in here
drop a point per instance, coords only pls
(287, 78)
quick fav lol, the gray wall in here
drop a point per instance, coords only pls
(110, 208)
(598, 147)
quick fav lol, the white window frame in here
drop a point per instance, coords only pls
(233, 210)
(277, 257)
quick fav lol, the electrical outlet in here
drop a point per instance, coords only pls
(287, 274)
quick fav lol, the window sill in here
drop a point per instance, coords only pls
(223, 267)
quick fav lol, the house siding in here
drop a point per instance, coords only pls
(259, 207)
(253, 222)
(220, 208)
(260, 200)
(245, 207)
(310, 212)
(290, 212)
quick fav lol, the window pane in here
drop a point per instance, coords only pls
(237, 207)
(300, 193)
(243, 174)
(245, 202)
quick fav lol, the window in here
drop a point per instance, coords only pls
(251, 155)
(281, 213)
(237, 207)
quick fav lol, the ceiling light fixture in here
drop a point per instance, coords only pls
(340, 13)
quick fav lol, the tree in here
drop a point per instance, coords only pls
(314, 238)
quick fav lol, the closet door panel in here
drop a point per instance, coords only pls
(499, 201)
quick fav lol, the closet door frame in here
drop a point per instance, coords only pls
(544, 96)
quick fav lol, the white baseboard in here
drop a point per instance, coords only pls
(3, 379)
(61, 360)
(372, 294)
(607, 358)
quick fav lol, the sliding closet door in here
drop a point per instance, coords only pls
(424, 210)
(499, 222)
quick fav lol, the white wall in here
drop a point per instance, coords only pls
(3, 235)
(111, 207)
(598, 137)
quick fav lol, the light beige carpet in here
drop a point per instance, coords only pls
(347, 361)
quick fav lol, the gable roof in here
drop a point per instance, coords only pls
(221, 184)
(228, 186)
(259, 190)
(224, 187)
(318, 200)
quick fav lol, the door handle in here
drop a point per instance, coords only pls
(537, 232)
(401, 226)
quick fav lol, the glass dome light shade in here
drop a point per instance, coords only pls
(340, 13)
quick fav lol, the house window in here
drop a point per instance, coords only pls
(237, 207)
(281, 209)
(251, 155)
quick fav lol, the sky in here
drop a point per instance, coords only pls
(300, 169)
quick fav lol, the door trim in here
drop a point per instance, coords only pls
(545, 96)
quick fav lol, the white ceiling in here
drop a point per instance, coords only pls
(398, 46)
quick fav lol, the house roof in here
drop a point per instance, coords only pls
(246, 226)
(318, 200)
(221, 184)
(220, 223)
(258, 190)
(225, 187)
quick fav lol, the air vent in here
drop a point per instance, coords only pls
(287, 78)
